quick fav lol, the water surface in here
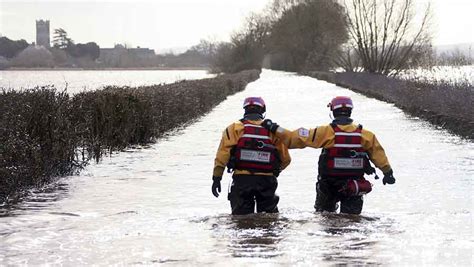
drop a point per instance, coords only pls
(154, 206)
(84, 80)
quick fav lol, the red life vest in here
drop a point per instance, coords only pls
(346, 158)
(255, 151)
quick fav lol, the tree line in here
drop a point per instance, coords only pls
(66, 53)
(375, 36)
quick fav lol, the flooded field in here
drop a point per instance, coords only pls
(154, 205)
(84, 80)
(442, 74)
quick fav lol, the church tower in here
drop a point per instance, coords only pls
(42, 33)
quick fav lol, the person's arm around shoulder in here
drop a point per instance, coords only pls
(299, 138)
(377, 155)
(228, 140)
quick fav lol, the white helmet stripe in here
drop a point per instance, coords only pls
(253, 103)
(340, 106)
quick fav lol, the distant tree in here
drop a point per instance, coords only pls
(385, 33)
(10, 48)
(72, 50)
(4, 63)
(421, 56)
(61, 39)
(205, 47)
(34, 56)
(307, 33)
(455, 58)
(248, 45)
(246, 49)
(199, 55)
(90, 50)
(223, 61)
(348, 59)
(293, 35)
(60, 57)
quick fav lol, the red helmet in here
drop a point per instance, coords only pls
(341, 102)
(257, 101)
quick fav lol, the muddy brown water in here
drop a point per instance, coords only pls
(153, 206)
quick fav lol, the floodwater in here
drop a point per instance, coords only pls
(153, 206)
(84, 80)
(450, 74)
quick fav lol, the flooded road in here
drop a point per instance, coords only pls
(154, 206)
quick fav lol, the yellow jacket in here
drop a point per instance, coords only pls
(323, 137)
(231, 136)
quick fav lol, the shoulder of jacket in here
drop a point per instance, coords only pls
(235, 123)
(236, 126)
(367, 133)
(324, 128)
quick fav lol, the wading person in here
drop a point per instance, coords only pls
(255, 156)
(346, 151)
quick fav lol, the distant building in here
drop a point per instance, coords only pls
(142, 53)
(111, 57)
(120, 56)
(42, 33)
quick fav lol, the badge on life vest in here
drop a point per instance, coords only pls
(256, 156)
(303, 132)
(347, 163)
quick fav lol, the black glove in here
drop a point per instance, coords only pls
(269, 125)
(388, 178)
(216, 185)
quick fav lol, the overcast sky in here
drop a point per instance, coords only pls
(162, 24)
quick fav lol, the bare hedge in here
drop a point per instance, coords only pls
(45, 133)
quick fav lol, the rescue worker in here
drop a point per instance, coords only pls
(255, 156)
(346, 151)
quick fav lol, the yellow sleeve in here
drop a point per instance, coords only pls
(322, 136)
(375, 150)
(283, 152)
(299, 138)
(228, 140)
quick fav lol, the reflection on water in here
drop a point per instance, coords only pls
(355, 231)
(326, 237)
(154, 206)
(36, 199)
(254, 235)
